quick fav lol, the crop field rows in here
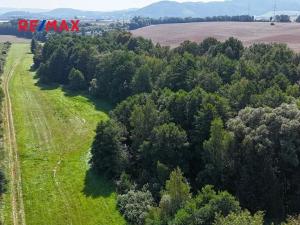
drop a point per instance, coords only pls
(248, 33)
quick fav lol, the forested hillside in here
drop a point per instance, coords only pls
(202, 134)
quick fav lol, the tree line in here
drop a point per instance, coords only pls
(138, 21)
(11, 28)
(282, 18)
(4, 47)
(205, 133)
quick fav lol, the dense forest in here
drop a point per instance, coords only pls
(204, 133)
(138, 21)
(3, 53)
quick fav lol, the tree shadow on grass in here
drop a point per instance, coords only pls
(100, 105)
(42, 86)
(32, 69)
(97, 186)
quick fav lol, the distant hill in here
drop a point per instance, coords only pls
(67, 13)
(5, 10)
(228, 7)
(20, 14)
(167, 9)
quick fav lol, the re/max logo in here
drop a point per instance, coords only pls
(48, 25)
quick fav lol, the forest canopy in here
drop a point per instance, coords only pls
(205, 133)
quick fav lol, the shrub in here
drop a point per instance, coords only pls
(135, 205)
(242, 218)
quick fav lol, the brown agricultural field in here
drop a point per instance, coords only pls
(255, 32)
(13, 39)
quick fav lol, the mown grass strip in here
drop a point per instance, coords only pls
(54, 131)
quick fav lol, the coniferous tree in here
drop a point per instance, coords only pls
(33, 45)
(215, 154)
(76, 80)
(108, 152)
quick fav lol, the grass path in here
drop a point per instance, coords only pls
(54, 132)
(18, 214)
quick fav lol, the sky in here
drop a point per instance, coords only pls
(96, 5)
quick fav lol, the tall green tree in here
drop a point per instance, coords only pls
(114, 74)
(33, 45)
(37, 58)
(58, 70)
(168, 144)
(176, 75)
(109, 154)
(175, 195)
(76, 80)
(178, 189)
(143, 119)
(43, 73)
(266, 158)
(141, 81)
(215, 154)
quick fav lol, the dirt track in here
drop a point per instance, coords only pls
(18, 213)
(249, 33)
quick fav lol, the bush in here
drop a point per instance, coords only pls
(293, 221)
(135, 205)
(202, 209)
(242, 218)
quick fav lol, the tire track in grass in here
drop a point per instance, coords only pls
(52, 168)
(42, 129)
(63, 192)
(18, 212)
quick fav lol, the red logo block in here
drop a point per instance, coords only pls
(48, 25)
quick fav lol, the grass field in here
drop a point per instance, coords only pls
(254, 32)
(54, 131)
